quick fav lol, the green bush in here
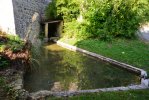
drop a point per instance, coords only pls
(115, 18)
(67, 10)
(103, 19)
(51, 10)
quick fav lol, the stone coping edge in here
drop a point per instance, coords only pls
(45, 93)
(139, 71)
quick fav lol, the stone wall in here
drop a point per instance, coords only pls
(27, 15)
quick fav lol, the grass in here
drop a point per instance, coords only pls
(133, 52)
(122, 95)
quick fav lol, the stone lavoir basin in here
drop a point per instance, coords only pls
(57, 69)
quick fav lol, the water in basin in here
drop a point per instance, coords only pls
(61, 69)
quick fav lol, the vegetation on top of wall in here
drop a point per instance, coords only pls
(9, 44)
(102, 19)
(51, 11)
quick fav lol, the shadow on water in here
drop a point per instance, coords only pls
(61, 69)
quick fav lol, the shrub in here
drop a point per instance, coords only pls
(114, 18)
(51, 10)
(104, 19)
(67, 10)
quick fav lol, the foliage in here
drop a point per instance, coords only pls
(115, 18)
(4, 62)
(13, 43)
(67, 10)
(70, 29)
(51, 10)
(9, 42)
(102, 19)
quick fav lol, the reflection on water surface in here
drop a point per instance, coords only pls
(61, 69)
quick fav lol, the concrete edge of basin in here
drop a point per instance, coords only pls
(45, 93)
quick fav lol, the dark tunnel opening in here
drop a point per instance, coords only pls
(53, 30)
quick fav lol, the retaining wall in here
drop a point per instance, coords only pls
(27, 15)
(22, 17)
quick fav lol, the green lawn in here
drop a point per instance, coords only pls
(133, 52)
(122, 95)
